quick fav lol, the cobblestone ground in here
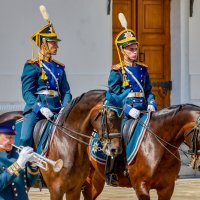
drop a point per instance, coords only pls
(185, 189)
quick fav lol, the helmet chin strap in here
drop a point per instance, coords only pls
(45, 45)
(43, 52)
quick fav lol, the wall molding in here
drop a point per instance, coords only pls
(6, 107)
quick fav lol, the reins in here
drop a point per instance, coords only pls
(61, 127)
(105, 133)
(164, 143)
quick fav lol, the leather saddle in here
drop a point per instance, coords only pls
(39, 129)
(128, 130)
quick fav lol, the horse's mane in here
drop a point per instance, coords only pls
(75, 101)
(174, 109)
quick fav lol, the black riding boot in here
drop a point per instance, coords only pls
(111, 176)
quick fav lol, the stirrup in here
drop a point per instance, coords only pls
(112, 180)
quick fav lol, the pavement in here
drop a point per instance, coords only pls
(185, 189)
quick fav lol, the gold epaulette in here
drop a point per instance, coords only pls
(32, 61)
(116, 67)
(141, 64)
(59, 63)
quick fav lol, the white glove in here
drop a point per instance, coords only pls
(151, 108)
(46, 112)
(24, 156)
(134, 113)
(61, 110)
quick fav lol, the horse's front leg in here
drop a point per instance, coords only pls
(56, 193)
(142, 190)
(93, 186)
(165, 193)
(73, 195)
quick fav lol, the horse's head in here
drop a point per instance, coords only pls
(108, 125)
(87, 113)
(192, 140)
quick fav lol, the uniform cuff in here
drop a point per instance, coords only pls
(127, 109)
(14, 169)
(153, 103)
(37, 106)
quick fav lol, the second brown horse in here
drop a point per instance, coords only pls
(157, 163)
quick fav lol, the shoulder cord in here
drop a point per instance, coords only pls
(53, 77)
(132, 75)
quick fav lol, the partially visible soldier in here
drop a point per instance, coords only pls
(129, 77)
(15, 176)
(45, 88)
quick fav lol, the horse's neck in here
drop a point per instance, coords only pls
(172, 129)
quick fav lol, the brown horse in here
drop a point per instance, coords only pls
(157, 162)
(13, 115)
(71, 139)
(86, 114)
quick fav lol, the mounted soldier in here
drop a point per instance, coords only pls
(128, 79)
(45, 88)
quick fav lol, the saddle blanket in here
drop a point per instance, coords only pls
(136, 139)
(132, 148)
(44, 140)
(95, 149)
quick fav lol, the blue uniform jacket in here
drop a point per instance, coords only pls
(14, 187)
(140, 71)
(33, 81)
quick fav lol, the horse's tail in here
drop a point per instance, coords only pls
(13, 115)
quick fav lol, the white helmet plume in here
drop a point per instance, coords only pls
(122, 20)
(44, 13)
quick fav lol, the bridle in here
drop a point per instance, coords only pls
(106, 136)
(194, 151)
(104, 128)
(104, 124)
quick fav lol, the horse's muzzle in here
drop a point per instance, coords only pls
(112, 150)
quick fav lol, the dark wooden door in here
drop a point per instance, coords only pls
(150, 19)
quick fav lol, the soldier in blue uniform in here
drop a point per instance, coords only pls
(45, 88)
(132, 78)
(15, 176)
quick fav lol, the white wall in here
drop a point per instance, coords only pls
(194, 62)
(86, 47)
(175, 51)
(180, 52)
(185, 54)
